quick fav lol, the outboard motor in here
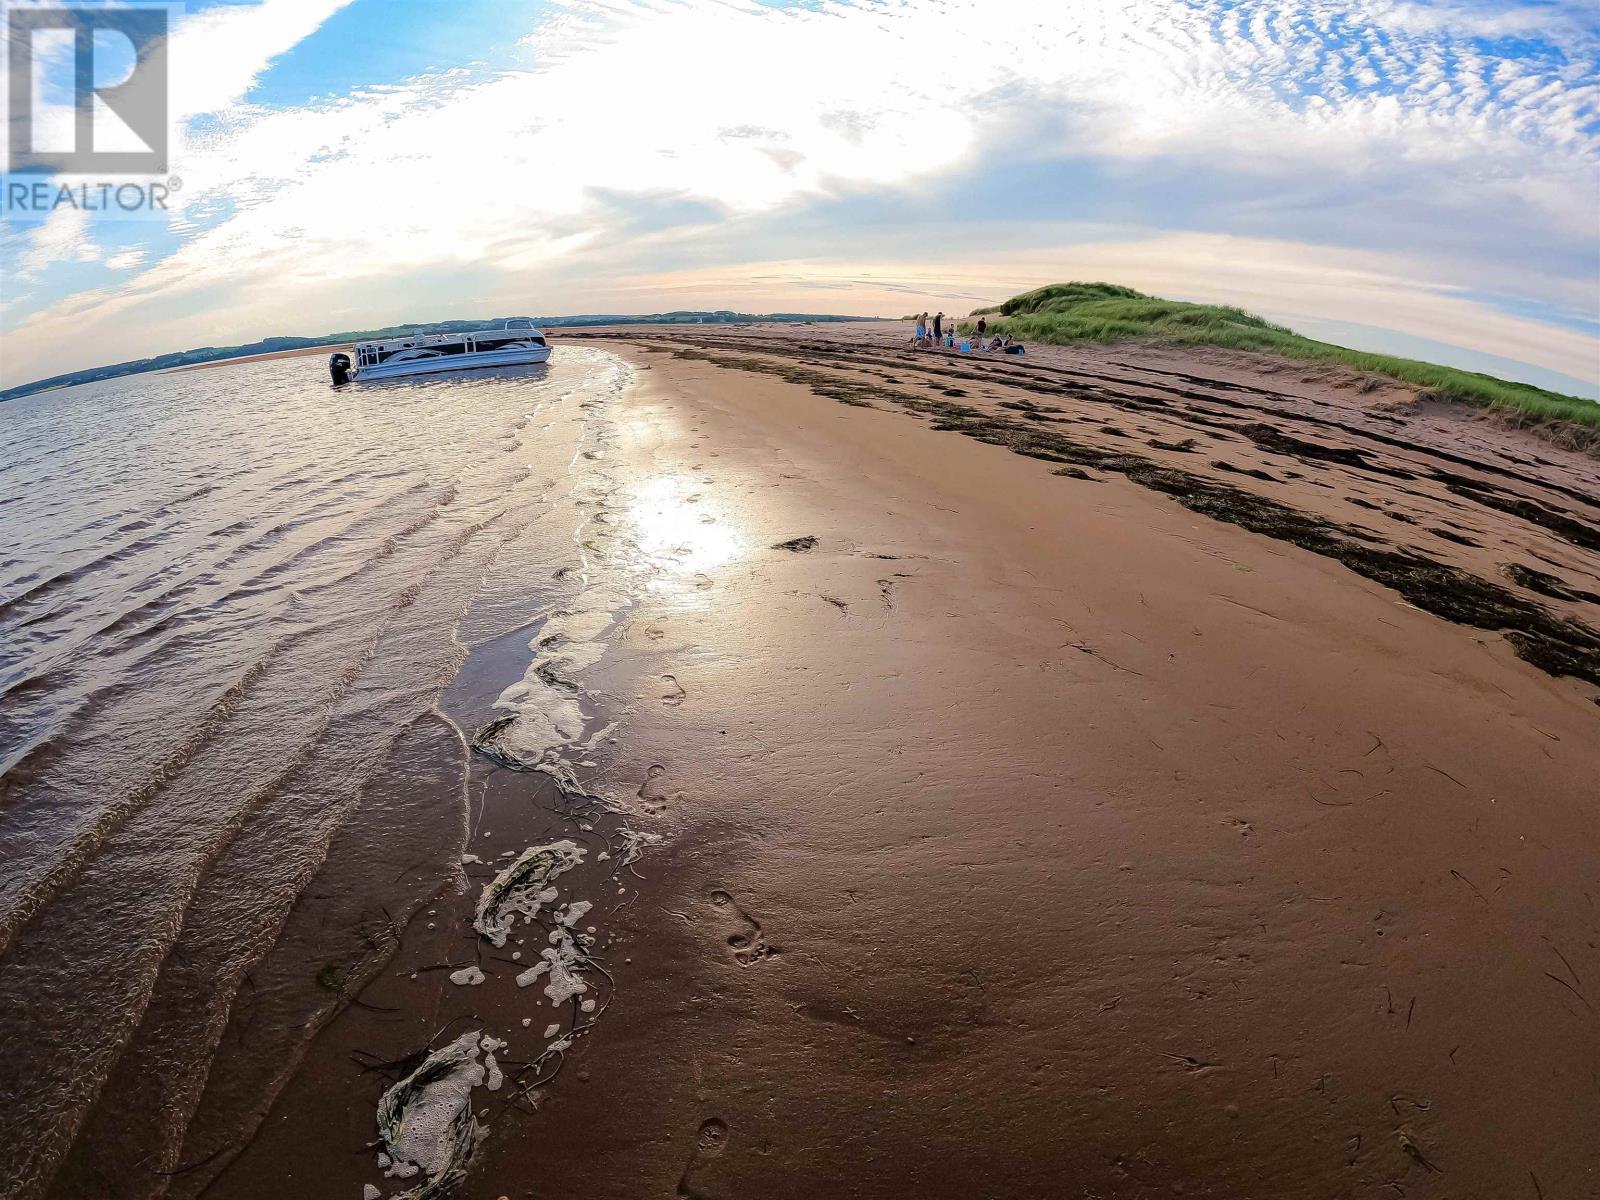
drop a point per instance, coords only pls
(339, 368)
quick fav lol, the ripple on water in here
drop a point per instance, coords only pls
(229, 602)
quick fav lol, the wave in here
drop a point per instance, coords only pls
(202, 722)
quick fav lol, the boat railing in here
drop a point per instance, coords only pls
(426, 337)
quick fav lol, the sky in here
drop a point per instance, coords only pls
(1412, 177)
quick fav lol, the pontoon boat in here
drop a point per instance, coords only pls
(516, 343)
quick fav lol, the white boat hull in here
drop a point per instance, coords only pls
(454, 362)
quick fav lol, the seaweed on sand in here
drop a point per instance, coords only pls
(634, 843)
(1556, 645)
(797, 545)
(1547, 585)
(426, 1120)
(487, 743)
(521, 888)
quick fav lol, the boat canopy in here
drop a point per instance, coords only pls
(520, 329)
(517, 330)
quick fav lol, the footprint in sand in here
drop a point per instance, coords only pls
(674, 695)
(654, 795)
(745, 938)
(709, 1142)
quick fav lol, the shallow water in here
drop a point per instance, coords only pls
(230, 600)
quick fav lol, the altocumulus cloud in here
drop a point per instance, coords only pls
(638, 154)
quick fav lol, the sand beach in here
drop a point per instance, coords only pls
(591, 611)
(1113, 773)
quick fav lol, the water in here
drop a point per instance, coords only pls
(230, 600)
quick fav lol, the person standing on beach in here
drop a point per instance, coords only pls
(983, 325)
(938, 327)
(922, 328)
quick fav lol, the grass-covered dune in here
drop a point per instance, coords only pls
(1103, 312)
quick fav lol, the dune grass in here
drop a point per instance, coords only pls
(1063, 313)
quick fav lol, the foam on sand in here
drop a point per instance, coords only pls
(523, 887)
(426, 1121)
(635, 842)
(561, 961)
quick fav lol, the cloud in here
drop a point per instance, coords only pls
(1567, 20)
(219, 53)
(633, 131)
(216, 56)
(62, 237)
(1281, 280)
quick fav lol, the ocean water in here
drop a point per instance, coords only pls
(230, 601)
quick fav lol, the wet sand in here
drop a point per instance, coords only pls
(1156, 777)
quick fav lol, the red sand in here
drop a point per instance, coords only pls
(1041, 836)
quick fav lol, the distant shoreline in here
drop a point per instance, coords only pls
(278, 345)
(299, 352)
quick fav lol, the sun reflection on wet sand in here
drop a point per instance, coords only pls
(678, 534)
